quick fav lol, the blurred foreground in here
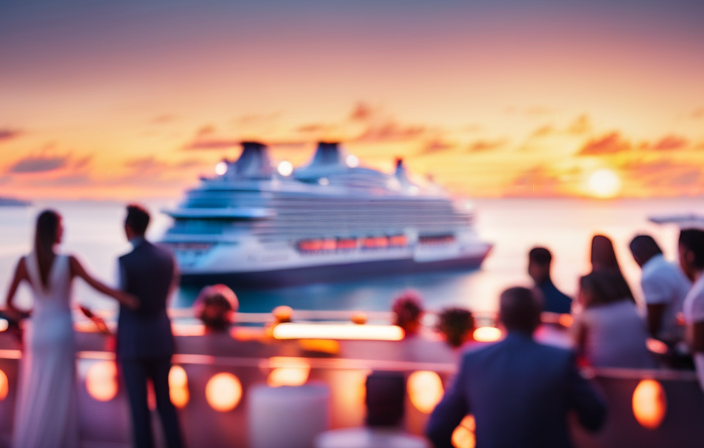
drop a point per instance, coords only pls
(257, 385)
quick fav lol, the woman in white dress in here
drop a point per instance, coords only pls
(46, 414)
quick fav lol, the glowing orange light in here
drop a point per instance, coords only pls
(320, 345)
(463, 435)
(283, 313)
(101, 380)
(288, 372)
(425, 390)
(487, 334)
(656, 346)
(223, 392)
(359, 318)
(4, 385)
(566, 320)
(649, 404)
(339, 331)
(178, 387)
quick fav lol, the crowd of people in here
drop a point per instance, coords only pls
(530, 387)
(516, 382)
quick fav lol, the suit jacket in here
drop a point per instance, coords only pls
(147, 272)
(520, 393)
(554, 300)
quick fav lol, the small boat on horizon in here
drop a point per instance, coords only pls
(256, 224)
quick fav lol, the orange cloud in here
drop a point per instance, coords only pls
(538, 181)
(436, 145)
(671, 143)
(163, 119)
(662, 173)
(611, 143)
(485, 145)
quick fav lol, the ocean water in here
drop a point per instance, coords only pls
(93, 232)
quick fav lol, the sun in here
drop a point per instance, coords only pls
(604, 183)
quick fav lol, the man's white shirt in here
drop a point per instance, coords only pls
(665, 283)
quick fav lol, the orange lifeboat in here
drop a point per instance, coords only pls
(347, 243)
(329, 244)
(398, 240)
(310, 245)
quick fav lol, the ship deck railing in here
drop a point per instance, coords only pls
(648, 408)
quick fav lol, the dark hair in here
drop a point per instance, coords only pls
(693, 240)
(603, 287)
(137, 219)
(644, 247)
(407, 308)
(215, 306)
(454, 324)
(603, 255)
(44, 240)
(603, 258)
(540, 255)
(519, 309)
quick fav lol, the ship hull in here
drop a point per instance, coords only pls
(333, 273)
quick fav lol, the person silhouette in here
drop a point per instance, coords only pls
(46, 413)
(145, 343)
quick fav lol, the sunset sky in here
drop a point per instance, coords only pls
(136, 99)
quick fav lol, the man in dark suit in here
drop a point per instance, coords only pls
(519, 391)
(145, 343)
(554, 300)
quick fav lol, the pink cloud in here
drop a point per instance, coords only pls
(7, 134)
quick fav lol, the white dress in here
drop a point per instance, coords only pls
(46, 413)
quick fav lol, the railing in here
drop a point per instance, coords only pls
(214, 374)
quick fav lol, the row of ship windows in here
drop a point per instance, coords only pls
(373, 242)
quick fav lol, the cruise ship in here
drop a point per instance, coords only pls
(256, 224)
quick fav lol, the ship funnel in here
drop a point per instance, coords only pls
(401, 173)
(327, 154)
(254, 162)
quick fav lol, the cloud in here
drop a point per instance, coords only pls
(205, 139)
(538, 181)
(257, 119)
(698, 113)
(363, 111)
(612, 143)
(153, 166)
(581, 125)
(289, 144)
(436, 145)
(163, 119)
(7, 134)
(380, 127)
(315, 128)
(543, 131)
(671, 143)
(39, 164)
(213, 144)
(391, 132)
(485, 145)
(665, 173)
